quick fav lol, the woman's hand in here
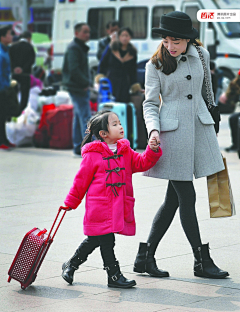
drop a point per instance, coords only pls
(114, 36)
(154, 141)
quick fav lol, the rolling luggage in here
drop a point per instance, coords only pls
(128, 118)
(59, 123)
(55, 128)
(40, 137)
(31, 253)
(238, 136)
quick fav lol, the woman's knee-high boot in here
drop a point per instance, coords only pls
(116, 278)
(204, 265)
(145, 262)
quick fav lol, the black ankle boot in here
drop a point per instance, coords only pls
(204, 265)
(145, 262)
(115, 277)
(70, 266)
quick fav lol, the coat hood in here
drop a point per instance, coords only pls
(102, 147)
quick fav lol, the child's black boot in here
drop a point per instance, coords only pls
(80, 256)
(70, 266)
(115, 277)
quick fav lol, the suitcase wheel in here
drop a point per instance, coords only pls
(23, 288)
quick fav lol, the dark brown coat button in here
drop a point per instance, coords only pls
(189, 96)
(183, 58)
(119, 184)
(115, 156)
(189, 77)
(117, 169)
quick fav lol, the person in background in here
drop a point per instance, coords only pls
(233, 124)
(228, 100)
(112, 28)
(76, 81)
(22, 56)
(5, 70)
(119, 64)
(232, 97)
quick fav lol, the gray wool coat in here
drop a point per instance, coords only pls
(188, 139)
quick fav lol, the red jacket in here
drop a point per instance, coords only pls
(107, 179)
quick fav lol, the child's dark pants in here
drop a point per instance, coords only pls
(106, 244)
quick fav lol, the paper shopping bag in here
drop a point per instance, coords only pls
(220, 195)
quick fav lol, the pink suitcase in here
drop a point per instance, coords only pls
(31, 253)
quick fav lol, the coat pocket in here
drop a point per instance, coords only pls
(128, 209)
(168, 124)
(206, 118)
(97, 209)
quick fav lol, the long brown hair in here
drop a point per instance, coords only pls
(164, 61)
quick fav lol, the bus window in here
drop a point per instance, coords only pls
(98, 19)
(157, 12)
(192, 12)
(136, 19)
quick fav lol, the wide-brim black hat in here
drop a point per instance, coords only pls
(176, 24)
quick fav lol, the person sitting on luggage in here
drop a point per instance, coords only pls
(119, 64)
(105, 174)
(228, 100)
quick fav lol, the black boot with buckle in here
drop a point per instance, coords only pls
(204, 265)
(70, 266)
(145, 262)
(115, 277)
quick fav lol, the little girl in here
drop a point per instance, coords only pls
(105, 174)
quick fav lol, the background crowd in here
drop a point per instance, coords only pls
(117, 61)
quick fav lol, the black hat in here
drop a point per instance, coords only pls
(176, 24)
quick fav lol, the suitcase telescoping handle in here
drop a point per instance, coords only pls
(59, 210)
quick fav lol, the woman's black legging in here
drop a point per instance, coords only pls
(179, 194)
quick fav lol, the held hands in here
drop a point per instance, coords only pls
(154, 141)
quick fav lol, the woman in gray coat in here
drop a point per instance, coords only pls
(185, 128)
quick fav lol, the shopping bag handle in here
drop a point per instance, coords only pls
(59, 210)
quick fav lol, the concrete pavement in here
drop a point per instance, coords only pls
(34, 183)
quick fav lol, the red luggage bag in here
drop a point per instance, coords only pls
(59, 122)
(31, 253)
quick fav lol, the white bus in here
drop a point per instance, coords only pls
(221, 39)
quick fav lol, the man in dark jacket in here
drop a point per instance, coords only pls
(5, 70)
(22, 57)
(76, 81)
(112, 28)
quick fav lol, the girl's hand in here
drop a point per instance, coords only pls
(66, 208)
(153, 145)
(154, 141)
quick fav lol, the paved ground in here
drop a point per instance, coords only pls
(33, 184)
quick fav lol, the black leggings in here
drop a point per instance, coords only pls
(179, 194)
(106, 244)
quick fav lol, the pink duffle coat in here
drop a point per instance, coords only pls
(107, 180)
